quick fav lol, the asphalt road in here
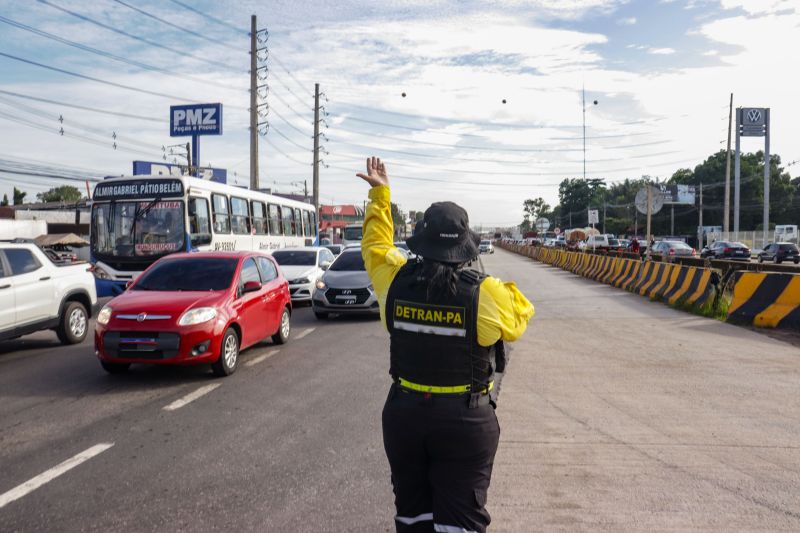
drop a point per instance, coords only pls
(618, 414)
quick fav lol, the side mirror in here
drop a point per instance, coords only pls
(251, 286)
(325, 265)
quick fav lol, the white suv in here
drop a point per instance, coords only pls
(486, 247)
(38, 294)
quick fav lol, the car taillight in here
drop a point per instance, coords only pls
(671, 251)
(728, 250)
(694, 253)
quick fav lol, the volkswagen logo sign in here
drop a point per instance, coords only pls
(141, 317)
(754, 116)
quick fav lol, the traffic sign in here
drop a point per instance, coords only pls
(557, 231)
(656, 200)
(542, 224)
(594, 216)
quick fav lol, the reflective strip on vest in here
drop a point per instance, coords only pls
(414, 519)
(441, 528)
(434, 330)
(454, 389)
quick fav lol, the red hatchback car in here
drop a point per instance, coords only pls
(194, 308)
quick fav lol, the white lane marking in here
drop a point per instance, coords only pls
(49, 475)
(192, 396)
(261, 358)
(303, 333)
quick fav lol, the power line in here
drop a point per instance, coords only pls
(110, 55)
(97, 80)
(175, 26)
(210, 17)
(180, 53)
(284, 154)
(84, 108)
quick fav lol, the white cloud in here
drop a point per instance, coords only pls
(628, 21)
(711, 53)
(761, 7)
(661, 51)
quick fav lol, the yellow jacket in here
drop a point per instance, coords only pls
(503, 312)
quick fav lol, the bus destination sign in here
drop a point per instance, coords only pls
(135, 189)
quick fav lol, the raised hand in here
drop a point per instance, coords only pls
(376, 172)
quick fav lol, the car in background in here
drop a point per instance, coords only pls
(303, 267)
(624, 243)
(335, 249)
(734, 251)
(38, 292)
(780, 252)
(602, 242)
(345, 288)
(486, 247)
(193, 308)
(352, 234)
(673, 249)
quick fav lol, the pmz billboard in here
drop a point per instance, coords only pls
(220, 175)
(195, 119)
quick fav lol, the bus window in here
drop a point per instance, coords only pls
(307, 223)
(313, 217)
(222, 219)
(298, 222)
(240, 216)
(199, 221)
(288, 221)
(259, 217)
(275, 220)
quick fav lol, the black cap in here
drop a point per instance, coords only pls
(445, 235)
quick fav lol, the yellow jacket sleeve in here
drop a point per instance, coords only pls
(503, 312)
(381, 259)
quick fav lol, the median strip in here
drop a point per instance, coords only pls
(192, 396)
(303, 333)
(261, 358)
(49, 475)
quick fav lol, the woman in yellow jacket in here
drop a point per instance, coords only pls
(447, 324)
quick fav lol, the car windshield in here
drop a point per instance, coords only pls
(788, 247)
(679, 245)
(295, 257)
(353, 234)
(348, 261)
(188, 274)
(137, 229)
(737, 245)
(613, 242)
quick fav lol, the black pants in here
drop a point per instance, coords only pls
(441, 453)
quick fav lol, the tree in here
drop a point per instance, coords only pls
(19, 196)
(398, 218)
(64, 193)
(577, 195)
(5, 201)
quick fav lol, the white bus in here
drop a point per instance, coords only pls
(139, 219)
(786, 233)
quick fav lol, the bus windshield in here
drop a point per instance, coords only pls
(137, 228)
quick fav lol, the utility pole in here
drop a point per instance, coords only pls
(700, 222)
(672, 220)
(604, 216)
(727, 208)
(766, 177)
(736, 178)
(649, 217)
(583, 94)
(315, 184)
(305, 190)
(253, 104)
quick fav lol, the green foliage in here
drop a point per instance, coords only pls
(64, 193)
(19, 196)
(4, 202)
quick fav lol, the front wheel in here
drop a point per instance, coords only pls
(73, 324)
(228, 354)
(760, 259)
(778, 261)
(285, 327)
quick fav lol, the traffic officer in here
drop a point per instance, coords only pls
(446, 326)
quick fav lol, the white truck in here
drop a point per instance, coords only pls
(37, 294)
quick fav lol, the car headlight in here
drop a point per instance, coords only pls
(99, 273)
(197, 316)
(321, 285)
(299, 281)
(104, 316)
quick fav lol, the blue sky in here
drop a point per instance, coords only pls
(661, 70)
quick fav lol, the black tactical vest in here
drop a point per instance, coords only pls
(436, 343)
